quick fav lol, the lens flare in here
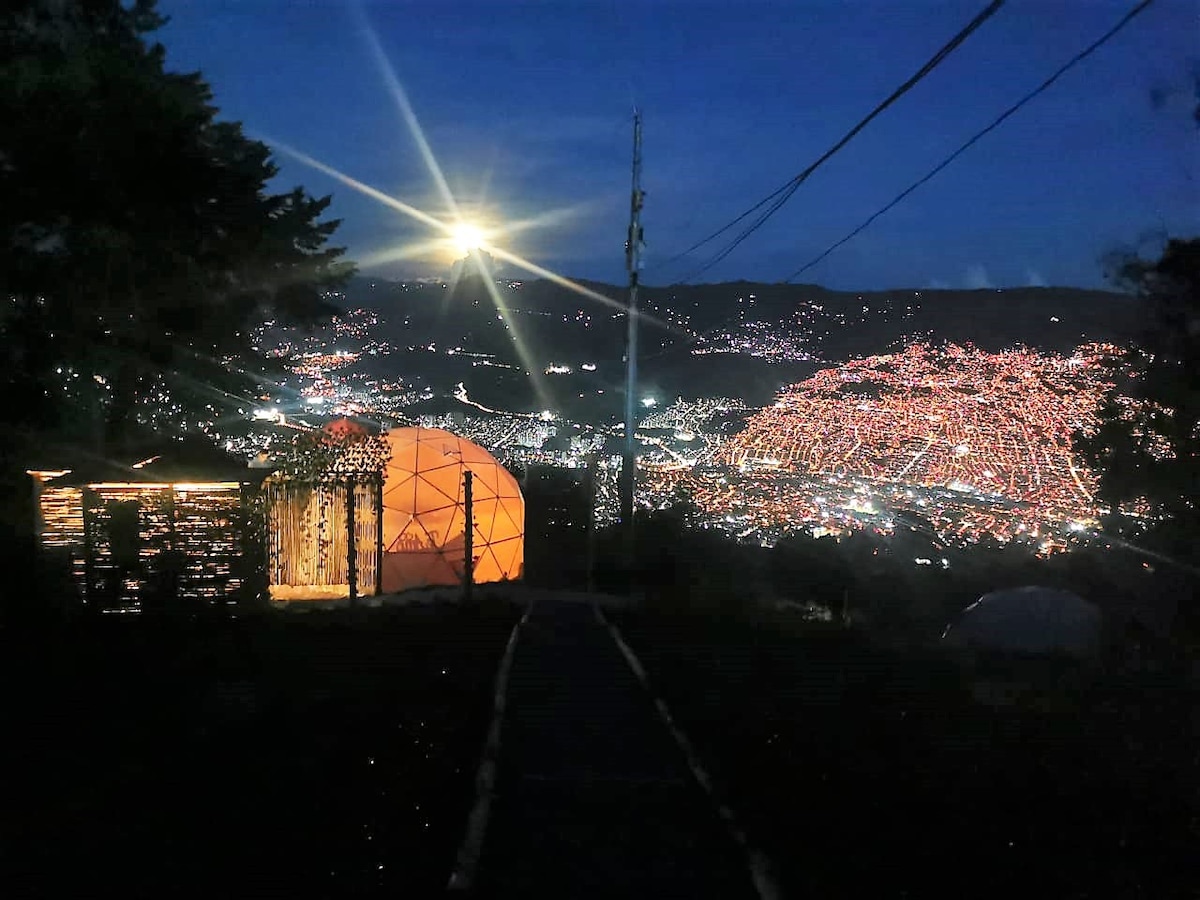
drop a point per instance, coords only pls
(464, 237)
(467, 237)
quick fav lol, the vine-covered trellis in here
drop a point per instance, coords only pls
(323, 509)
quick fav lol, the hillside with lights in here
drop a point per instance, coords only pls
(973, 443)
(775, 407)
(736, 339)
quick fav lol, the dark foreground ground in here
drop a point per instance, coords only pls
(593, 797)
(332, 754)
(315, 755)
(868, 773)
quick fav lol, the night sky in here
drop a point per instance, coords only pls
(527, 107)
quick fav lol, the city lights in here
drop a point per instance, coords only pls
(979, 443)
(956, 441)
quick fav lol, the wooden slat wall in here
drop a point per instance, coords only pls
(366, 535)
(307, 539)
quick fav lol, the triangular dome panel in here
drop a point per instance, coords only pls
(424, 513)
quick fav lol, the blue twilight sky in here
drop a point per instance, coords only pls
(527, 107)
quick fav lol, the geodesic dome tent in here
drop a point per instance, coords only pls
(424, 534)
(1029, 620)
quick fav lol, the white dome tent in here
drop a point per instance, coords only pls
(1030, 621)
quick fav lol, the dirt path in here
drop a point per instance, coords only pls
(593, 798)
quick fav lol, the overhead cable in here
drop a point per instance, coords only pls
(777, 198)
(1062, 70)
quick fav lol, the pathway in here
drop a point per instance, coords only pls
(593, 796)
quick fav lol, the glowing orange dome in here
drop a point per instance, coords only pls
(423, 518)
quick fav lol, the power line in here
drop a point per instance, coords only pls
(1079, 57)
(1049, 81)
(724, 228)
(781, 195)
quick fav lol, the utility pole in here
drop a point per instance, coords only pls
(633, 263)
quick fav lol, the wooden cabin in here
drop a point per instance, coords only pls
(152, 535)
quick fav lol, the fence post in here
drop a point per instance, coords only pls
(378, 482)
(468, 536)
(351, 543)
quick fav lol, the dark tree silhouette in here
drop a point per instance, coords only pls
(1149, 451)
(139, 244)
(804, 568)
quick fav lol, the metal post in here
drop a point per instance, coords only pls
(468, 536)
(351, 543)
(633, 263)
(378, 536)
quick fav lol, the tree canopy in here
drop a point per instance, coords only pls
(1147, 446)
(139, 241)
